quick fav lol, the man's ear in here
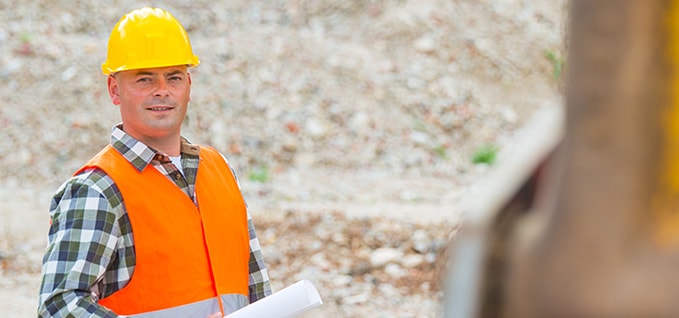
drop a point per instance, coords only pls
(189, 77)
(113, 90)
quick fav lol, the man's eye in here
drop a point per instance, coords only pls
(143, 80)
(175, 78)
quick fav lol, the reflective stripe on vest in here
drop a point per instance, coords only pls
(185, 255)
(198, 309)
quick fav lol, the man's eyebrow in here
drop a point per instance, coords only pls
(138, 73)
(174, 73)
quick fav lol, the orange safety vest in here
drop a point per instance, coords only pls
(191, 261)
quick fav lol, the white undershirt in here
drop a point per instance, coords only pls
(177, 161)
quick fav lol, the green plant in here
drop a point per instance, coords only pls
(26, 37)
(419, 125)
(557, 63)
(259, 174)
(441, 151)
(485, 154)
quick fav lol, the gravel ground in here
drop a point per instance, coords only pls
(351, 125)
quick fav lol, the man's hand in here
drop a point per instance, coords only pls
(215, 315)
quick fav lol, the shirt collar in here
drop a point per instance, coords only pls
(138, 153)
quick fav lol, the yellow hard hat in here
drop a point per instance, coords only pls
(148, 38)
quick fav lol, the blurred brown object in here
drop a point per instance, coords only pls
(597, 236)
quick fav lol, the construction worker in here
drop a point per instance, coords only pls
(152, 226)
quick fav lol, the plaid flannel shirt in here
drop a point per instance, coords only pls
(90, 254)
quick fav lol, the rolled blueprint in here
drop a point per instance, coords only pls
(287, 302)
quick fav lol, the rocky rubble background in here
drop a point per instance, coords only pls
(350, 123)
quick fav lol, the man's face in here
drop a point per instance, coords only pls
(152, 101)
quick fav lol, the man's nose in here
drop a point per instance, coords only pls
(161, 87)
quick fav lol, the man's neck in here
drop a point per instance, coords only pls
(170, 147)
(166, 144)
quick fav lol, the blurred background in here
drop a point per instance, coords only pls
(356, 128)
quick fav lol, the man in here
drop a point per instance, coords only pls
(152, 226)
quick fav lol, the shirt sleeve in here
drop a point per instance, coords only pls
(82, 241)
(259, 286)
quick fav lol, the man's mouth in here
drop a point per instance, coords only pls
(160, 108)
